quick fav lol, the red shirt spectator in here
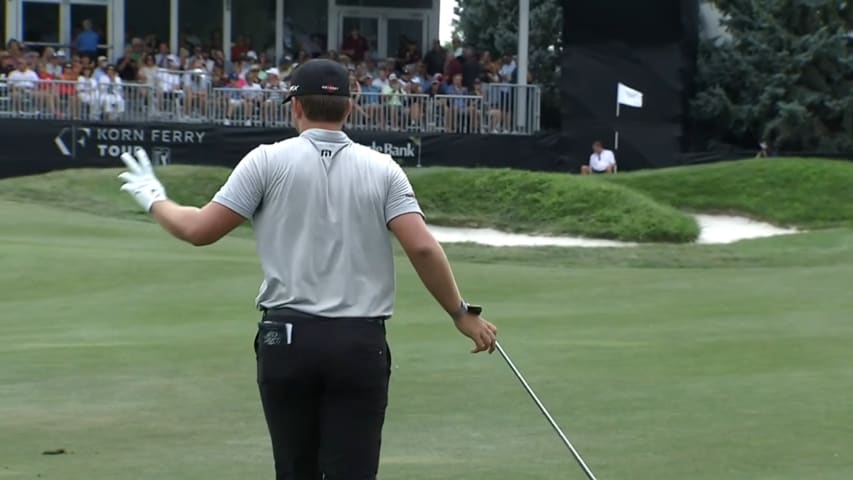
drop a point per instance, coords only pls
(241, 47)
(355, 46)
(452, 66)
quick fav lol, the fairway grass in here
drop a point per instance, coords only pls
(132, 351)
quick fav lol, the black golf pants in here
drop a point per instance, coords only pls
(324, 388)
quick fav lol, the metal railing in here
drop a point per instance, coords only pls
(172, 96)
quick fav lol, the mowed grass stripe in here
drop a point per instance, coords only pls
(655, 373)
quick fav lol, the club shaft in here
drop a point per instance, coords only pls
(544, 411)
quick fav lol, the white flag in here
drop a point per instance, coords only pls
(628, 96)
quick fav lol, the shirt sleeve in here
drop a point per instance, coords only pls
(244, 190)
(401, 196)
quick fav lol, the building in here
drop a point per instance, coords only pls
(274, 26)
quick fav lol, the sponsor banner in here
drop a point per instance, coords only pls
(36, 146)
(88, 143)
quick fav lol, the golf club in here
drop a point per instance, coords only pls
(544, 411)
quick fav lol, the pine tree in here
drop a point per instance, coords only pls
(786, 76)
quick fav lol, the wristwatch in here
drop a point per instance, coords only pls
(466, 308)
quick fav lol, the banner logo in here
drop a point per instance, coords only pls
(69, 138)
(161, 155)
(397, 151)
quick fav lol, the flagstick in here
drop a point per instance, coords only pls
(616, 140)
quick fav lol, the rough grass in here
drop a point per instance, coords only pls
(809, 193)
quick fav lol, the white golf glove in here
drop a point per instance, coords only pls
(140, 180)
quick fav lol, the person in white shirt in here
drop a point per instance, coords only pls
(110, 90)
(601, 161)
(22, 83)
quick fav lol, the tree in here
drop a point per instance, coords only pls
(785, 76)
(492, 25)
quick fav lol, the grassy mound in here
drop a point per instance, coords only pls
(97, 191)
(808, 193)
(547, 203)
(504, 199)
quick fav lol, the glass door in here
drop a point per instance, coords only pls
(41, 24)
(367, 26)
(97, 16)
(403, 32)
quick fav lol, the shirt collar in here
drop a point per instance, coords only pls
(329, 136)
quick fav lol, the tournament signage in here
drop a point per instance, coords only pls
(84, 141)
(38, 146)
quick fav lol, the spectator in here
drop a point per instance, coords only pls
(471, 70)
(507, 68)
(421, 75)
(370, 101)
(168, 85)
(392, 96)
(233, 100)
(148, 71)
(128, 67)
(219, 78)
(47, 93)
(275, 91)
(415, 105)
(7, 64)
(382, 80)
(601, 161)
(110, 92)
(87, 41)
(459, 107)
(241, 47)
(101, 69)
(196, 85)
(183, 59)
(408, 55)
(439, 105)
(87, 92)
(355, 46)
(15, 50)
(22, 83)
(452, 65)
(68, 90)
(162, 57)
(435, 59)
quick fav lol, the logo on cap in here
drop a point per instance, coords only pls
(294, 88)
(329, 88)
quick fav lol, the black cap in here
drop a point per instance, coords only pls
(319, 77)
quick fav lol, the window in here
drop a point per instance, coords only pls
(200, 22)
(425, 4)
(254, 20)
(147, 17)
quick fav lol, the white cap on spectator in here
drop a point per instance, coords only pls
(274, 71)
(252, 55)
(392, 77)
(172, 58)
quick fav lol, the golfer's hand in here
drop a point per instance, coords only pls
(140, 181)
(482, 333)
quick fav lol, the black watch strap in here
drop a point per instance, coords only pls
(467, 308)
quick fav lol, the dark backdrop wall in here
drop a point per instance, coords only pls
(649, 46)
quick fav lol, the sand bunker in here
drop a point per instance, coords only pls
(715, 229)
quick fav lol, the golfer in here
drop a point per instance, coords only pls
(321, 207)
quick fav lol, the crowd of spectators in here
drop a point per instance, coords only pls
(198, 81)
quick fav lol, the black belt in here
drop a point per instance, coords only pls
(296, 315)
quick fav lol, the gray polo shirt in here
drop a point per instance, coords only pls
(320, 206)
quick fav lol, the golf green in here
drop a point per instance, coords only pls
(132, 352)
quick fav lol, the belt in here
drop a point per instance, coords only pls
(297, 315)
